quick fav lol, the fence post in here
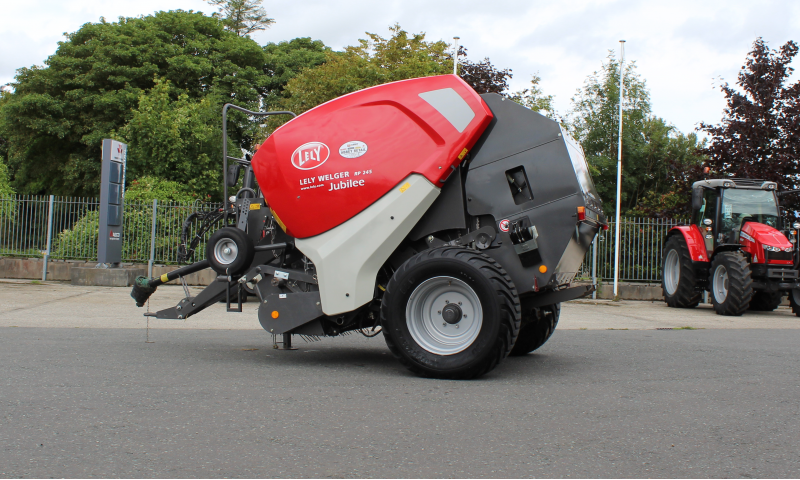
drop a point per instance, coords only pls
(49, 237)
(594, 266)
(152, 241)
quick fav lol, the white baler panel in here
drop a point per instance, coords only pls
(348, 257)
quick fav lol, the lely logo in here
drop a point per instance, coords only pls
(310, 155)
(504, 225)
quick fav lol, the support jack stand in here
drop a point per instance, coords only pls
(286, 344)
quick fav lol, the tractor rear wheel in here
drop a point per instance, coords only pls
(678, 281)
(794, 301)
(765, 301)
(450, 313)
(731, 283)
(538, 325)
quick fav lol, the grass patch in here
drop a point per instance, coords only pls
(616, 328)
(688, 328)
(583, 328)
(36, 282)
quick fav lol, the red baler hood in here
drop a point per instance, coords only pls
(755, 235)
(325, 166)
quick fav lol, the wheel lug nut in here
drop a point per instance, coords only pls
(456, 325)
(459, 303)
(440, 312)
(444, 324)
(465, 315)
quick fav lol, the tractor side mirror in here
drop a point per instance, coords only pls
(697, 198)
(233, 175)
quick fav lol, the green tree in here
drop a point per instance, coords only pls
(58, 114)
(285, 60)
(374, 61)
(243, 17)
(176, 140)
(5, 184)
(535, 99)
(656, 158)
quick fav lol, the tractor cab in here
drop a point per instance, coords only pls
(721, 210)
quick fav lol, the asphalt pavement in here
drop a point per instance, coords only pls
(100, 401)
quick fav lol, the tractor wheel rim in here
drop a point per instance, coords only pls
(425, 315)
(672, 272)
(225, 251)
(720, 284)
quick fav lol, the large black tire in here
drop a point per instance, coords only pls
(538, 325)
(765, 301)
(731, 283)
(794, 301)
(230, 251)
(678, 281)
(431, 346)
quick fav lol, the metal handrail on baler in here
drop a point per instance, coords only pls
(225, 156)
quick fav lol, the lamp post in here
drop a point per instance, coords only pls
(455, 56)
(619, 170)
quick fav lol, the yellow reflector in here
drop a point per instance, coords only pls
(255, 206)
(462, 154)
(404, 187)
(274, 314)
(543, 268)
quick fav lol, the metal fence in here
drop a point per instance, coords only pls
(641, 243)
(67, 228)
(30, 226)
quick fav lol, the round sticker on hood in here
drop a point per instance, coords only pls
(353, 149)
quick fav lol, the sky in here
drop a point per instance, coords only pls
(683, 49)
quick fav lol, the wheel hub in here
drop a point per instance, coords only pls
(225, 251)
(452, 313)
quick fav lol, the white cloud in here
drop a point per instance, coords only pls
(679, 46)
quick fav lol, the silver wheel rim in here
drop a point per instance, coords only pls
(672, 272)
(720, 285)
(425, 321)
(225, 251)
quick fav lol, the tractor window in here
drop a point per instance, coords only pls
(741, 205)
(707, 211)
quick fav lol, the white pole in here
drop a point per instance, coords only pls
(49, 238)
(617, 228)
(152, 241)
(455, 56)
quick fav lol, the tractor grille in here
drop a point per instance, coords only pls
(779, 255)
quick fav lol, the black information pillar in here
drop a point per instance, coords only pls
(112, 186)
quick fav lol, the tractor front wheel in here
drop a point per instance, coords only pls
(731, 283)
(765, 301)
(678, 281)
(794, 301)
(450, 313)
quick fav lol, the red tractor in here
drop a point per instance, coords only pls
(736, 248)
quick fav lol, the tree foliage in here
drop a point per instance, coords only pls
(177, 140)
(759, 136)
(483, 76)
(373, 61)
(535, 99)
(285, 60)
(5, 183)
(58, 114)
(242, 17)
(654, 153)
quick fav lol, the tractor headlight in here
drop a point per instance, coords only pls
(770, 248)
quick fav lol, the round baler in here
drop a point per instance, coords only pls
(454, 222)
